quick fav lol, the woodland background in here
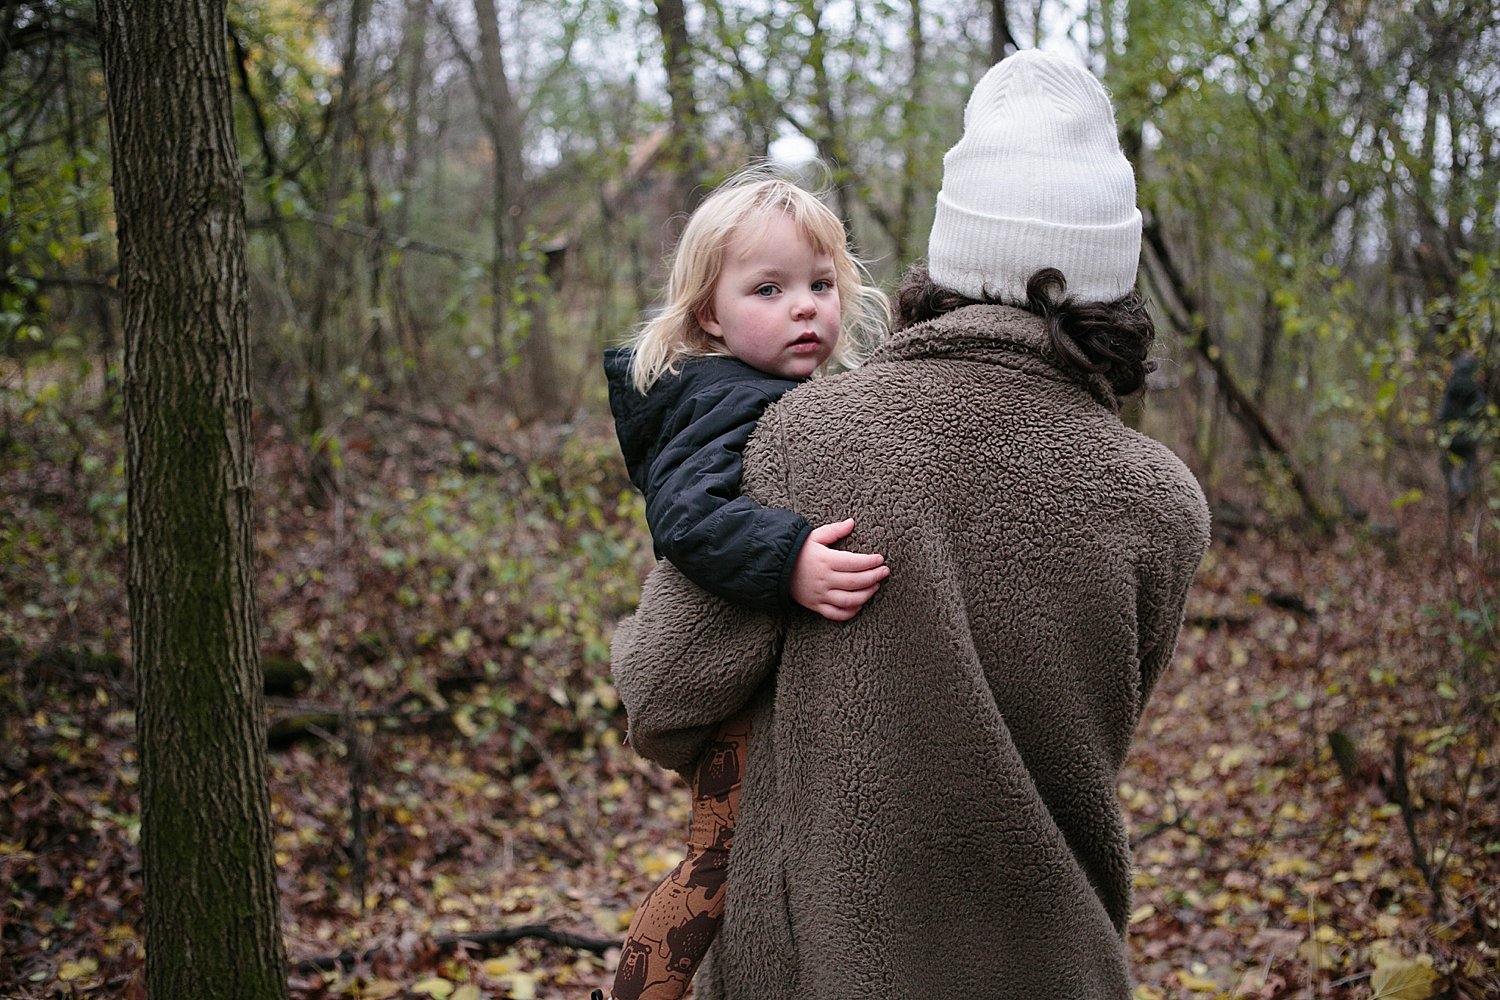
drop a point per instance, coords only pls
(454, 205)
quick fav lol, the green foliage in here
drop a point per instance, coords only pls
(55, 205)
(1323, 170)
(64, 544)
(1407, 381)
(1294, 155)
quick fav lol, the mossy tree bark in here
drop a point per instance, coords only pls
(211, 910)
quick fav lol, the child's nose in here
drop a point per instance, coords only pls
(804, 306)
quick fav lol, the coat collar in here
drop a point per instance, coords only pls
(992, 334)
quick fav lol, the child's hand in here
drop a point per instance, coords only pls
(835, 584)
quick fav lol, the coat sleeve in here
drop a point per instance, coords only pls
(1164, 581)
(723, 541)
(687, 660)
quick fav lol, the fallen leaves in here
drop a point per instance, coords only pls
(1299, 871)
(507, 799)
(1398, 978)
(80, 968)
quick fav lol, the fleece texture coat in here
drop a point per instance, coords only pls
(683, 443)
(929, 804)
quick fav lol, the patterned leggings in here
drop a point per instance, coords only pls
(673, 928)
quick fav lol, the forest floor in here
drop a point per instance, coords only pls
(1314, 792)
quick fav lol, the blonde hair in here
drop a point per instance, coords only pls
(752, 195)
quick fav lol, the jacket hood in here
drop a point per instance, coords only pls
(638, 418)
(992, 334)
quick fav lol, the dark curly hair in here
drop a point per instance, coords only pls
(1099, 338)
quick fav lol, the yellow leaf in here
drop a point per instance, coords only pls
(521, 985)
(464, 723)
(380, 989)
(499, 966)
(1397, 978)
(1234, 757)
(1142, 913)
(468, 991)
(660, 862)
(1196, 983)
(434, 986)
(1318, 954)
(1289, 866)
(1294, 812)
(79, 969)
(1144, 992)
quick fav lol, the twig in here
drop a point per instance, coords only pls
(1463, 820)
(1217, 621)
(1240, 405)
(1160, 828)
(359, 755)
(1351, 979)
(510, 935)
(503, 461)
(564, 789)
(347, 722)
(1400, 793)
(369, 233)
(346, 960)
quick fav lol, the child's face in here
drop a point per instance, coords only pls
(776, 304)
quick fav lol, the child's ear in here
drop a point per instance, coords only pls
(704, 314)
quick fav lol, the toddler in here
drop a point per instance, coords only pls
(763, 292)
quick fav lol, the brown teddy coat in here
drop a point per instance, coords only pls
(929, 803)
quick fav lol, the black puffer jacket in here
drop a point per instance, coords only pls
(682, 444)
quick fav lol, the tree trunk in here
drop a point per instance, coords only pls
(334, 269)
(414, 65)
(1002, 42)
(502, 117)
(686, 154)
(376, 349)
(1239, 402)
(498, 110)
(1270, 341)
(910, 244)
(830, 138)
(211, 913)
(94, 266)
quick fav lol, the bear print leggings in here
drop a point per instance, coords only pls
(673, 928)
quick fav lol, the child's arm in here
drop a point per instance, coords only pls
(835, 584)
(759, 557)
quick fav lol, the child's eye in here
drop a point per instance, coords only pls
(765, 290)
(822, 285)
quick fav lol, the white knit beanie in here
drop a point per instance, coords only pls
(1038, 180)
